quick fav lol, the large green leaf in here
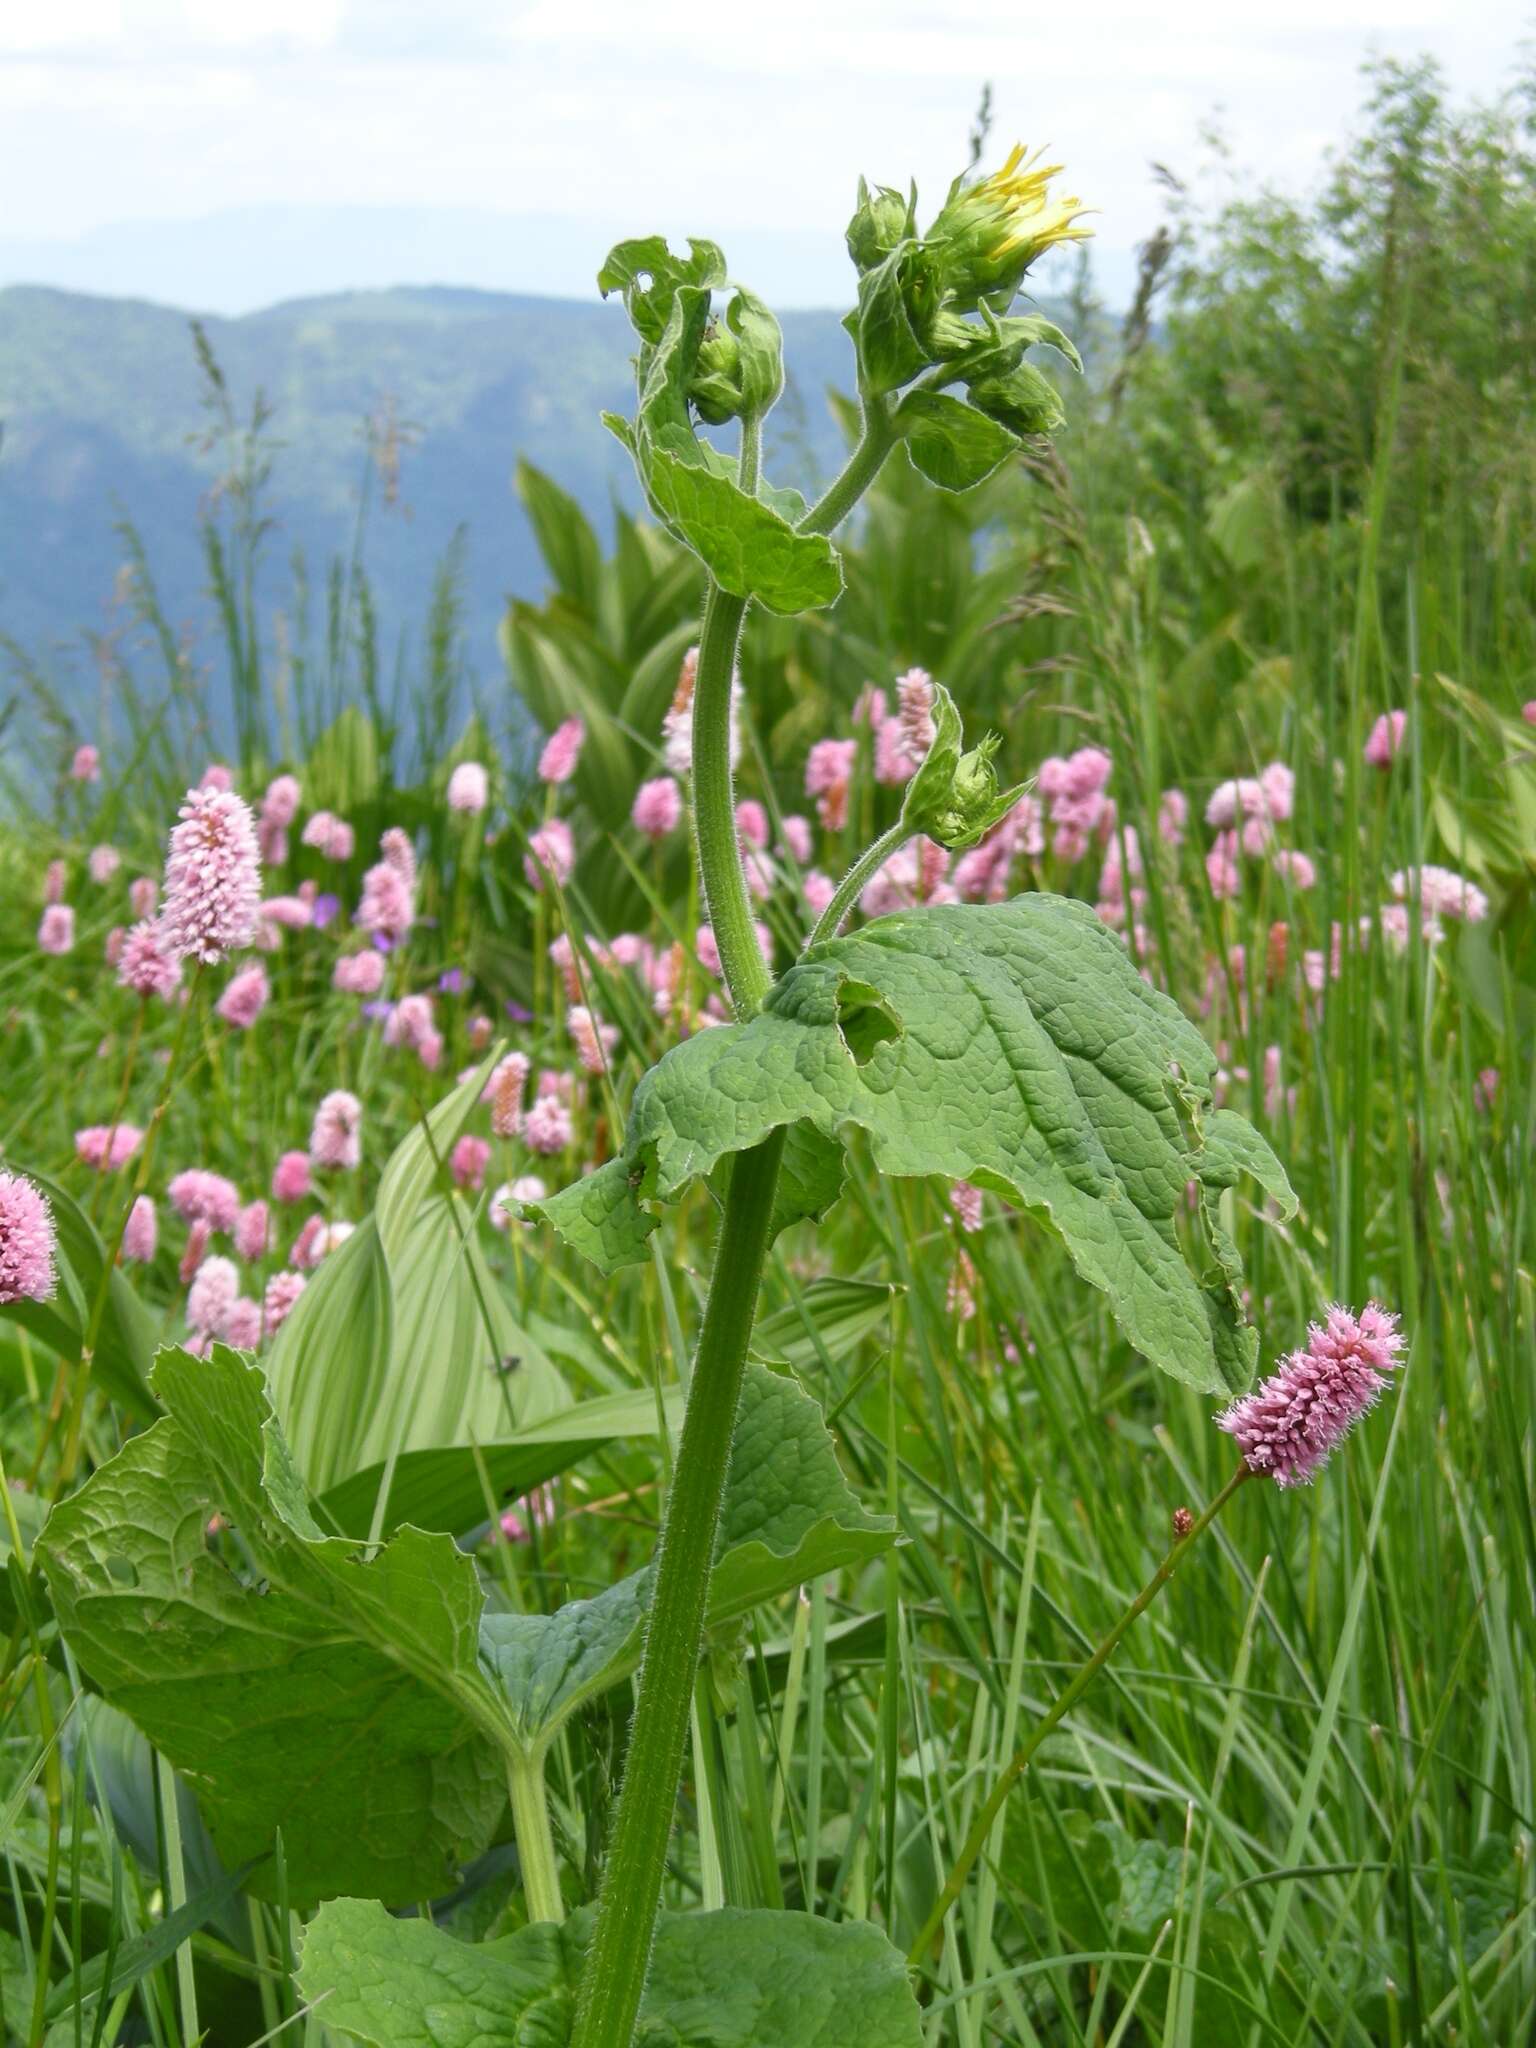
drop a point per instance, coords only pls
(788, 1517)
(337, 1698)
(1013, 1045)
(125, 1344)
(732, 1979)
(403, 1341)
(362, 1703)
(748, 548)
(950, 442)
(570, 548)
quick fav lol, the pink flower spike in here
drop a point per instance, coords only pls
(253, 1231)
(242, 1326)
(53, 882)
(1288, 1427)
(469, 789)
(27, 1241)
(146, 964)
(193, 1251)
(330, 836)
(1528, 712)
(291, 1177)
(562, 751)
(56, 933)
(798, 843)
(752, 823)
(1386, 740)
(293, 913)
(214, 1291)
(212, 877)
(388, 906)
(203, 1197)
(594, 1040)
(1441, 893)
(470, 1158)
(335, 1140)
(141, 1233)
(1173, 817)
(280, 805)
(103, 864)
(86, 766)
(551, 855)
(107, 1146)
(658, 808)
(547, 1125)
(244, 999)
(283, 1290)
(914, 697)
(505, 1092)
(1297, 867)
(359, 974)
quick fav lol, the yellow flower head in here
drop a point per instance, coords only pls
(995, 229)
(1020, 192)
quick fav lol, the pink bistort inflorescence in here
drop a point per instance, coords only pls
(336, 1136)
(26, 1241)
(146, 963)
(212, 877)
(562, 750)
(1287, 1428)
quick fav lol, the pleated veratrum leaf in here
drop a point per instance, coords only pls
(445, 1488)
(338, 1699)
(733, 1979)
(1012, 1045)
(404, 1341)
(830, 1320)
(788, 1516)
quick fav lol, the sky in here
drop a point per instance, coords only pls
(226, 154)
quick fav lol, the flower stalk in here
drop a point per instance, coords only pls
(976, 1841)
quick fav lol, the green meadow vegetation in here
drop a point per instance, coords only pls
(531, 1217)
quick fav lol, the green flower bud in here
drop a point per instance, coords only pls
(883, 219)
(715, 386)
(954, 798)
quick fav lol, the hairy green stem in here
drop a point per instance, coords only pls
(858, 472)
(614, 1978)
(1060, 1707)
(714, 804)
(535, 1842)
(613, 1981)
(850, 888)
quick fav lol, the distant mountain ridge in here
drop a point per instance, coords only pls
(101, 417)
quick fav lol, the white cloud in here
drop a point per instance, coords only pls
(679, 113)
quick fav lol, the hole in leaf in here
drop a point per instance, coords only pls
(121, 1570)
(865, 1020)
